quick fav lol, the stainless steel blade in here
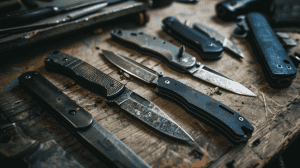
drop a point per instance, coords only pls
(138, 70)
(222, 82)
(100, 139)
(228, 44)
(150, 114)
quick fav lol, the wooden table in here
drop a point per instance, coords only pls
(273, 113)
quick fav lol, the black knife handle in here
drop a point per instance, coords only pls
(233, 125)
(156, 47)
(84, 73)
(55, 99)
(208, 48)
(276, 64)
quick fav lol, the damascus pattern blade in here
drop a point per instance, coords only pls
(149, 113)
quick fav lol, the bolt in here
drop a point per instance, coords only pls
(55, 8)
(185, 60)
(72, 112)
(210, 44)
(160, 74)
(27, 77)
(241, 118)
(167, 82)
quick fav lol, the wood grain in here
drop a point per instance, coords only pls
(274, 113)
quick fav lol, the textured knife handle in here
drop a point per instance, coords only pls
(84, 73)
(205, 108)
(275, 62)
(55, 99)
(156, 47)
(208, 48)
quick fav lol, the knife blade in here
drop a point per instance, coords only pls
(98, 139)
(201, 106)
(176, 59)
(227, 44)
(208, 48)
(116, 93)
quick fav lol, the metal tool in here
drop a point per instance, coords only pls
(201, 106)
(274, 61)
(14, 144)
(116, 93)
(177, 59)
(227, 44)
(98, 139)
(72, 15)
(208, 48)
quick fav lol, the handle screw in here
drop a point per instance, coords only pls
(72, 112)
(27, 77)
(167, 82)
(241, 118)
(160, 74)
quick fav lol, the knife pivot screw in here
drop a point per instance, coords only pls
(210, 44)
(167, 82)
(185, 60)
(160, 74)
(241, 118)
(65, 59)
(72, 112)
(55, 8)
(279, 66)
(27, 77)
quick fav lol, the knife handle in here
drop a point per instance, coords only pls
(84, 73)
(55, 100)
(205, 108)
(208, 48)
(156, 47)
(275, 63)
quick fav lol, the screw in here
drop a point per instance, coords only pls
(185, 60)
(160, 74)
(55, 8)
(210, 44)
(65, 59)
(241, 118)
(187, 23)
(198, 64)
(47, 59)
(167, 82)
(72, 112)
(27, 37)
(27, 77)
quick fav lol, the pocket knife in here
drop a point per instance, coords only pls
(177, 59)
(115, 93)
(277, 67)
(204, 108)
(207, 47)
(98, 139)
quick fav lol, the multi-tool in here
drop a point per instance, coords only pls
(201, 106)
(177, 59)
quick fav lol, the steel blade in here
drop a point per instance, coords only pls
(222, 82)
(229, 45)
(103, 142)
(150, 114)
(138, 70)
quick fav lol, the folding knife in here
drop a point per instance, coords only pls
(201, 106)
(278, 68)
(208, 48)
(177, 59)
(228, 44)
(116, 93)
(14, 144)
(80, 122)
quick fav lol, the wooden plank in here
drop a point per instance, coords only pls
(273, 112)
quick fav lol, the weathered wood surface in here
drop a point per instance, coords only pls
(276, 124)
